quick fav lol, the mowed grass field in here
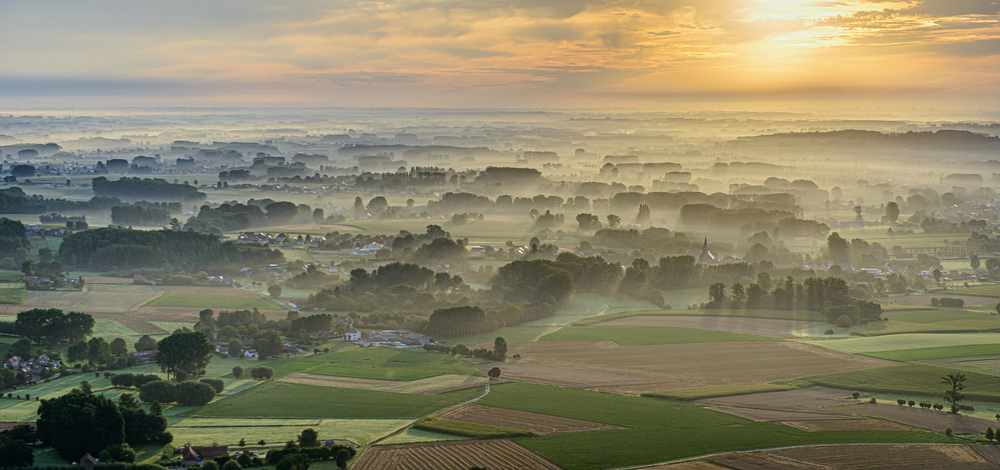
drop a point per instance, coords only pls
(391, 364)
(285, 400)
(211, 301)
(110, 298)
(635, 336)
(943, 352)
(802, 315)
(931, 320)
(877, 344)
(657, 430)
(229, 431)
(914, 379)
(12, 295)
(982, 290)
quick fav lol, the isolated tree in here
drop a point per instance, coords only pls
(146, 343)
(937, 276)
(989, 433)
(232, 465)
(839, 249)
(911, 403)
(309, 438)
(86, 388)
(235, 347)
(974, 262)
(953, 395)
(717, 292)
(190, 352)
(238, 371)
(274, 290)
(892, 212)
(343, 456)
(857, 213)
(494, 373)
(119, 347)
(500, 347)
(614, 221)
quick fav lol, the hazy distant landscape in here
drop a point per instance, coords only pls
(724, 234)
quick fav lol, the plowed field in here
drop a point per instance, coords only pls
(864, 456)
(498, 454)
(142, 326)
(523, 420)
(635, 369)
(427, 386)
(861, 424)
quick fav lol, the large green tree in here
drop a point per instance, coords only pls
(76, 424)
(956, 383)
(190, 352)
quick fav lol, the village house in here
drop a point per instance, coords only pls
(197, 456)
(250, 354)
(143, 357)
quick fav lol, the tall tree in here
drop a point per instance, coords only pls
(119, 347)
(956, 383)
(892, 212)
(974, 262)
(190, 352)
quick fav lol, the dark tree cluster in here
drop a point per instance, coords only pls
(149, 189)
(109, 248)
(50, 326)
(188, 393)
(136, 215)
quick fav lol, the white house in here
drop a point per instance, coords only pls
(352, 335)
(250, 353)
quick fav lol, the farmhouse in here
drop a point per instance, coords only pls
(192, 456)
(352, 335)
(142, 357)
(250, 354)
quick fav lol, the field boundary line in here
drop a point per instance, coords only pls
(699, 457)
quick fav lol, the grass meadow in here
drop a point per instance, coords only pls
(635, 336)
(879, 344)
(804, 315)
(284, 400)
(275, 431)
(391, 364)
(913, 379)
(211, 301)
(13, 296)
(471, 430)
(715, 391)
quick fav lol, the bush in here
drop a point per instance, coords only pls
(828, 332)
(953, 303)
(856, 395)
(947, 432)
(901, 402)
(844, 321)
(193, 393)
(217, 384)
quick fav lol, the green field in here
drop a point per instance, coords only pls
(11, 276)
(873, 344)
(286, 400)
(931, 320)
(658, 430)
(471, 430)
(391, 364)
(635, 336)
(982, 290)
(701, 393)
(916, 379)
(924, 354)
(212, 301)
(579, 307)
(12, 295)
(804, 315)
(229, 431)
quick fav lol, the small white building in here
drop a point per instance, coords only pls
(250, 354)
(352, 335)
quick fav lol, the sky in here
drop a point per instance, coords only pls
(665, 54)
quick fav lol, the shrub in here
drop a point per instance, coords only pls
(951, 302)
(828, 332)
(856, 394)
(217, 384)
(901, 402)
(873, 401)
(947, 432)
(911, 403)
(844, 321)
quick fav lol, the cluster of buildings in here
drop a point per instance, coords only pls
(32, 367)
(286, 347)
(32, 230)
(280, 239)
(391, 339)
